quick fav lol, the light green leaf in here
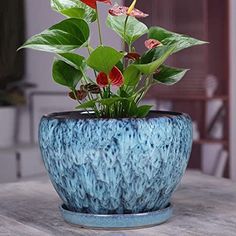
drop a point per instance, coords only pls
(75, 60)
(62, 37)
(65, 74)
(87, 105)
(154, 58)
(169, 75)
(134, 30)
(111, 101)
(103, 59)
(170, 38)
(143, 111)
(132, 76)
(74, 9)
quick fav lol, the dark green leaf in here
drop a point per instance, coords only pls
(103, 59)
(143, 111)
(62, 37)
(132, 109)
(111, 101)
(65, 74)
(74, 9)
(169, 38)
(87, 105)
(169, 75)
(154, 58)
(75, 60)
(120, 66)
(132, 76)
(134, 30)
(123, 93)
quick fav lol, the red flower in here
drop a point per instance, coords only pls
(93, 3)
(133, 56)
(102, 79)
(115, 78)
(117, 10)
(152, 43)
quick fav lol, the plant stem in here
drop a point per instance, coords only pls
(125, 28)
(99, 26)
(144, 91)
(124, 36)
(75, 94)
(89, 52)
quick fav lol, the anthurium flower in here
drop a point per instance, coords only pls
(93, 3)
(91, 88)
(117, 10)
(152, 43)
(114, 78)
(133, 56)
(131, 8)
(80, 95)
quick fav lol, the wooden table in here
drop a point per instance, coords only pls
(203, 206)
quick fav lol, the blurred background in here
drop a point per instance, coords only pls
(208, 92)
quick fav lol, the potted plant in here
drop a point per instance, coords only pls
(114, 163)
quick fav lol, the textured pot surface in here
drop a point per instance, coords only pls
(114, 166)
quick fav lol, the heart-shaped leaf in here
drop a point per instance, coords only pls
(75, 60)
(65, 74)
(103, 59)
(154, 58)
(132, 76)
(170, 38)
(112, 100)
(169, 75)
(134, 29)
(143, 111)
(87, 105)
(74, 9)
(62, 37)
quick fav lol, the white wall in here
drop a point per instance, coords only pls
(233, 89)
(39, 16)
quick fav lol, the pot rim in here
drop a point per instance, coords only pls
(83, 115)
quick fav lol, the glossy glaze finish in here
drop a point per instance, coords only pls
(115, 166)
(114, 222)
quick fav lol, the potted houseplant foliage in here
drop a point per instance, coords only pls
(114, 163)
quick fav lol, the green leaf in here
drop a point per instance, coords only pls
(132, 109)
(65, 74)
(75, 60)
(62, 37)
(143, 111)
(132, 76)
(103, 59)
(169, 75)
(86, 105)
(120, 66)
(74, 9)
(111, 101)
(134, 29)
(122, 93)
(154, 58)
(169, 38)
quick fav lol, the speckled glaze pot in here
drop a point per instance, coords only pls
(115, 166)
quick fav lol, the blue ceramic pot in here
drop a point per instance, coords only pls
(115, 166)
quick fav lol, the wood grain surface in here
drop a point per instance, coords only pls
(203, 206)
